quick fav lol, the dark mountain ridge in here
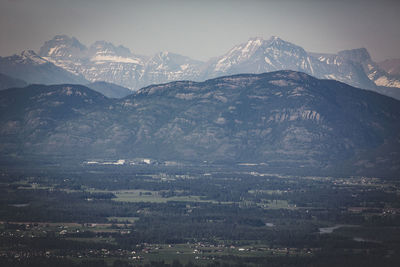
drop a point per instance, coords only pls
(109, 90)
(282, 119)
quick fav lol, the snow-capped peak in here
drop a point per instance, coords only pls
(259, 55)
(252, 44)
(102, 51)
(109, 49)
(116, 64)
(62, 46)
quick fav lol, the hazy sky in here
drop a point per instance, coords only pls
(203, 29)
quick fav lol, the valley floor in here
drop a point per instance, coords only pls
(117, 215)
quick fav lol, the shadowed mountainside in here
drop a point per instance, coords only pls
(282, 119)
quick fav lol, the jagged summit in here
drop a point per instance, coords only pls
(273, 40)
(62, 46)
(107, 48)
(258, 55)
(104, 61)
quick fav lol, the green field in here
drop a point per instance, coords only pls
(136, 196)
(122, 219)
(130, 218)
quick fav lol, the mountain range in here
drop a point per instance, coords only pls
(282, 120)
(65, 60)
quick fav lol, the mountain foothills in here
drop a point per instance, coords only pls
(284, 120)
(65, 60)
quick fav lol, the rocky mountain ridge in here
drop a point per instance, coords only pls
(103, 61)
(282, 119)
(354, 67)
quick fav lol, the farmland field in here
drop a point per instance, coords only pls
(168, 216)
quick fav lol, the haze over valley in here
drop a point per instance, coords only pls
(175, 133)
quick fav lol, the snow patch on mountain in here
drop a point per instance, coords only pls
(115, 59)
(29, 56)
(385, 81)
(103, 61)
